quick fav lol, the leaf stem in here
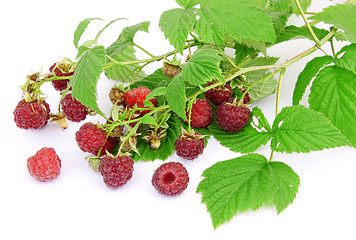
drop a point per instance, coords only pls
(281, 75)
(144, 50)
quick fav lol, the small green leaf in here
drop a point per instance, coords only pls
(202, 67)
(147, 119)
(279, 20)
(333, 93)
(294, 32)
(103, 29)
(299, 129)
(176, 25)
(341, 16)
(176, 96)
(305, 77)
(86, 75)
(348, 60)
(188, 3)
(157, 92)
(81, 28)
(246, 182)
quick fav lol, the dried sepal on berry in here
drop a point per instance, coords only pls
(154, 137)
(189, 145)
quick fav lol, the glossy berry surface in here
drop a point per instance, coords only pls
(138, 96)
(218, 94)
(232, 118)
(73, 109)
(45, 165)
(31, 115)
(201, 114)
(170, 179)
(189, 148)
(116, 171)
(90, 138)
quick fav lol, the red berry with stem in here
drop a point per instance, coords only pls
(31, 115)
(73, 109)
(170, 179)
(90, 138)
(60, 70)
(218, 94)
(201, 114)
(138, 96)
(189, 145)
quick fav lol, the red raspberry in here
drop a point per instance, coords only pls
(138, 96)
(117, 96)
(201, 114)
(218, 94)
(61, 84)
(108, 146)
(31, 115)
(44, 165)
(170, 179)
(246, 98)
(189, 146)
(116, 171)
(73, 109)
(232, 118)
(90, 138)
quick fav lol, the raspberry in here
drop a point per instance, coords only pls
(73, 109)
(170, 70)
(232, 118)
(117, 96)
(246, 97)
(116, 171)
(44, 165)
(61, 84)
(31, 115)
(108, 147)
(189, 146)
(90, 138)
(138, 96)
(170, 179)
(201, 114)
(218, 94)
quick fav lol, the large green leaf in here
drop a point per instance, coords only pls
(176, 25)
(294, 32)
(348, 59)
(86, 75)
(342, 16)
(176, 96)
(333, 93)
(246, 182)
(305, 77)
(299, 129)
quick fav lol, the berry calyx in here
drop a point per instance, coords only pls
(90, 138)
(45, 165)
(201, 114)
(231, 117)
(218, 94)
(116, 171)
(73, 109)
(189, 145)
(170, 179)
(31, 115)
(61, 69)
(138, 96)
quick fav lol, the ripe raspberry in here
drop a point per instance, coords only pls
(44, 165)
(201, 114)
(31, 115)
(90, 138)
(61, 84)
(219, 94)
(189, 146)
(73, 109)
(138, 96)
(116, 171)
(108, 146)
(170, 179)
(170, 70)
(232, 118)
(117, 96)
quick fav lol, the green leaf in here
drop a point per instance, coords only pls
(279, 20)
(176, 96)
(294, 32)
(255, 134)
(333, 93)
(84, 47)
(166, 148)
(341, 16)
(242, 51)
(202, 67)
(86, 75)
(348, 60)
(281, 5)
(299, 129)
(305, 77)
(105, 27)
(126, 38)
(246, 182)
(234, 18)
(176, 25)
(125, 73)
(188, 3)
(303, 3)
(81, 28)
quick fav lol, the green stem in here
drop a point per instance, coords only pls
(144, 50)
(281, 75)
(271, 156)
(332, 47)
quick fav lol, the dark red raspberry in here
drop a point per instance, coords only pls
(31, 115)
(246, 97)
(138, 96)
(117, 96)
(218, 94)
(170, 179)
(201, 114)
(232, 118)
(189, 146)
(116, 171)
(73, 109)
(108, 147)
(90, 138)
(170, 70)
(61, 84)
(45, 165)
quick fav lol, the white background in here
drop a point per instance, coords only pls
(78, 205)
